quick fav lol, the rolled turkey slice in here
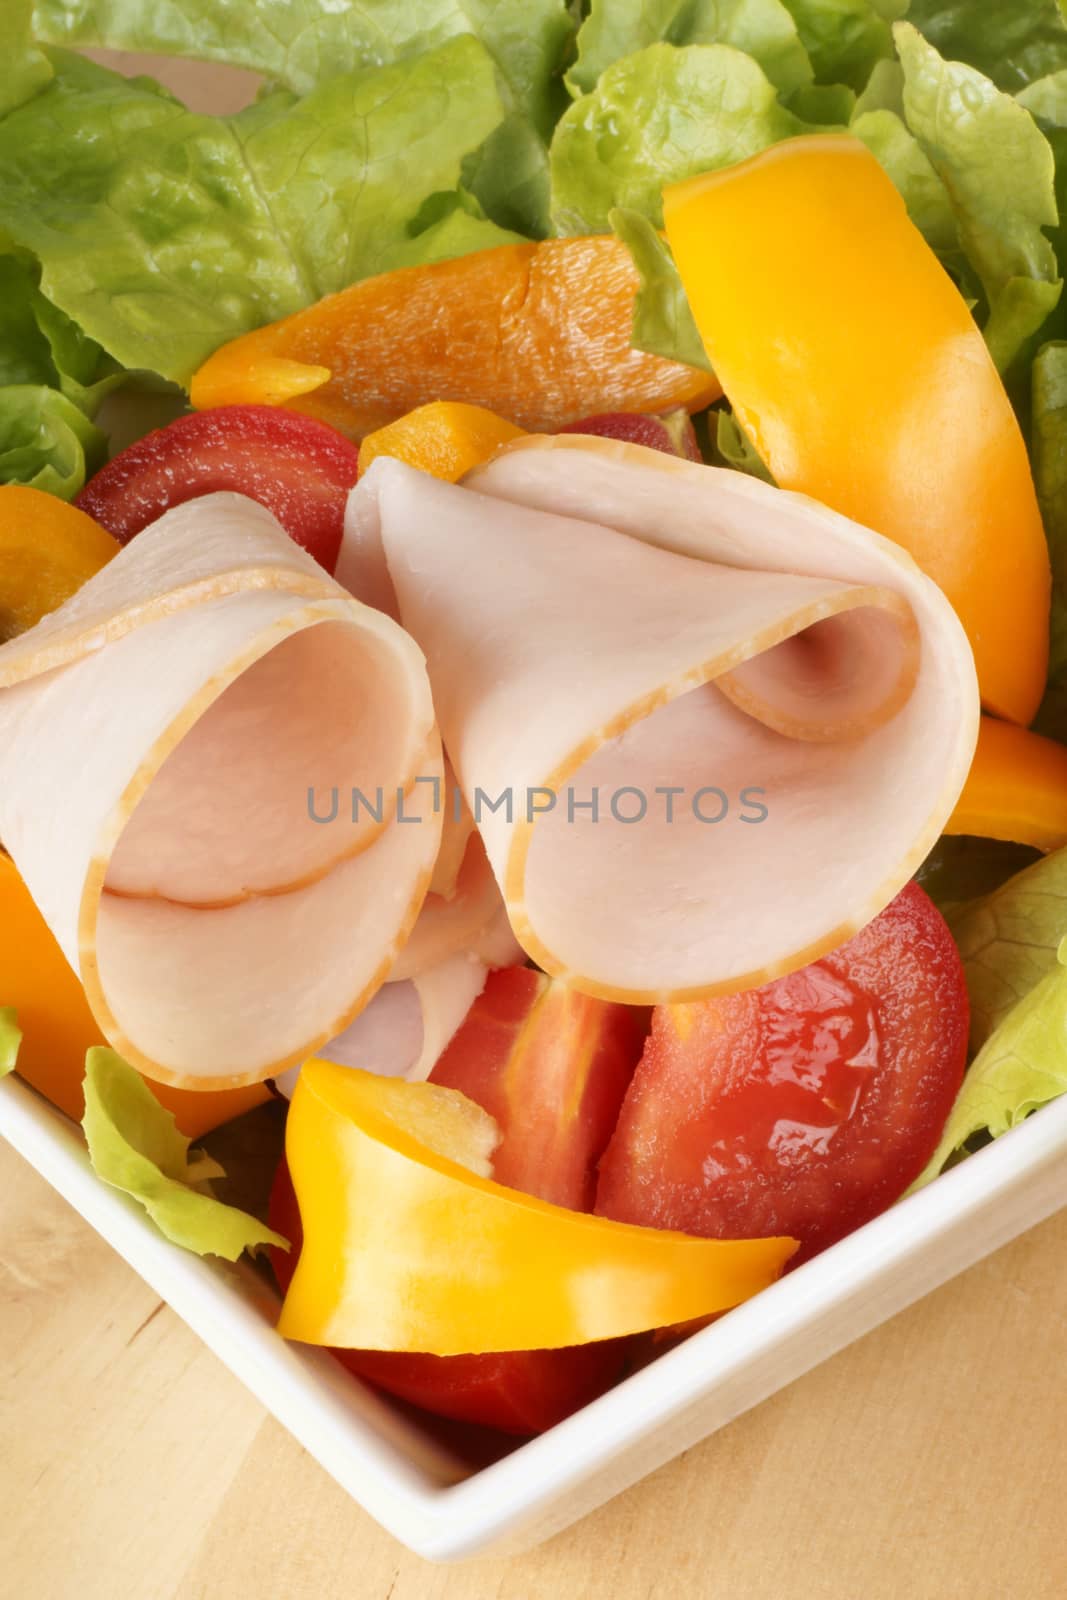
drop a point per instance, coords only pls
(405, 1030)
(464, 910)
(457, 831)
(603, 622)
(178, 748)
(471, 920)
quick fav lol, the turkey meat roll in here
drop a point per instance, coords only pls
(731, 723)
(179, 746)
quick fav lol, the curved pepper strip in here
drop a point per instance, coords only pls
(538, 332)
(857, 370)
(48, 549)
(446, 438)
(1016, 789)
(406, 1249)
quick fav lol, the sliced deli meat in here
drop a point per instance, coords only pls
(179, 744)
(706, 728)
(471, 920)
(464, 912)
(407, 1026)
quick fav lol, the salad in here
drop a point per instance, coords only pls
(533, 645)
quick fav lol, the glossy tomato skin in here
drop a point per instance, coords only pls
(519, 1392)
(805, 1107)
(551, 1066)
(671, 432)
(300, 469)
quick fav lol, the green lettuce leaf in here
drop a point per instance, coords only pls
(663, 323)
(1011, 41)
(25, 356)
(51, 380)
(302, 43)
(85, 373)
(845, 38)
(46, 441)
(26, 68)
(1022, 1066)
(344, 171)
(734, 448)
(1046, 101)
(135, 1146)
(824, 105)
(1013, 948)
(998, 171)
(508, 177)
(10, 1040)
(656, 117)
(1049, 457)
(925, 196)
(40, 345)
(884, 91)
(449, 225)
(1021, 313)
(763, 29)
(162, 233)
(1009, 939)
(961, 867)
(1046, 98)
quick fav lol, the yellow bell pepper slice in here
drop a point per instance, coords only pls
(48, 549)
(446, 438)
(58, 1027)
(1016, 789)
(858, 371)
(247, 378)
(407, 1249)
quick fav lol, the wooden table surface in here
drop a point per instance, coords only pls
(926, 1462)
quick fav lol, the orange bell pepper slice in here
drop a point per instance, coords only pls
(858, 371)
(445, 438)
(58, 1027)
(1016, 789)
(405, 1248)
(536, 332)
(48, 549)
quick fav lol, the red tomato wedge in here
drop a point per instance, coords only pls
(300, 469)
(518, 1392)
(670, 431)
(804, 1107)
(551, 1066)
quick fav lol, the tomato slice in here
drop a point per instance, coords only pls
(804, 1107)
(551, 1066)
(521, 1392)
(300, 469)
(671, 432)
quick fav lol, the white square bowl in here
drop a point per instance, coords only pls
(434, 1502)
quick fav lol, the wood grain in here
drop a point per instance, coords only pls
(927, 1462)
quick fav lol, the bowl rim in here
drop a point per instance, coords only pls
(437, 1504)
